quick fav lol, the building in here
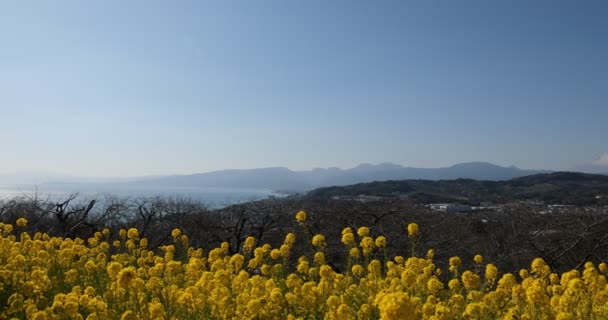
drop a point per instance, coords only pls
(450, 207)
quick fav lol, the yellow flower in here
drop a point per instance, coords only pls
(325, 271)
(156, 310)
(434, 285)
(248, 244)
(470, 280)
(301, 216)
(536, 293)
(44, 277)
(454, 285)
(358, 270)
(367, 244)
(290, 239)
(285, 250)
(478, 259)
(344, 312)
(133, 233)
(176, 233)
(413, 230)
(363, 231)
(303, 265)
(491, 272)
(348, 239)
(475, 311)
(539, 267)
(90, 266)
(319, 258)
(126, 276)
(318, 240)
(113, 269)
(275, 254)
(254, 306)
(365, 311)
(381, 242)
(129, 315)
(39, 315)
(21, 222)
(396, 305)
(455, 261)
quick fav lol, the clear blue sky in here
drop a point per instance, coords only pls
(123, 88)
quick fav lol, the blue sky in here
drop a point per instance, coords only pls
(123, 88)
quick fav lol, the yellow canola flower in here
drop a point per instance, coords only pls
(129, 315)
(156, 310)
(290, 239)
(21, 222)
(113, 269)
(380, 242)
(413, 230)
(363, 231)
(132, 233)
(470, 280)
(318, 240)
(348, 239)
(301, 216)
(397, 305)
(248, 244)
(491, 272)
(275, 254)
(62, 278)
(126, 277)
(455, 261)
(478, 259)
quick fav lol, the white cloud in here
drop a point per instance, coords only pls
(602, 161)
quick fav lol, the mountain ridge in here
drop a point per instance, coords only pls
(282, 178)
(556, 187)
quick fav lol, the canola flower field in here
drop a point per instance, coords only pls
(43, 277)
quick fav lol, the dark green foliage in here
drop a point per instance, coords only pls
(554, 188)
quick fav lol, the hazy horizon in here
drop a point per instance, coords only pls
(598, 168)
(140, 88)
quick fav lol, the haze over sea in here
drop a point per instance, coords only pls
(211, 197)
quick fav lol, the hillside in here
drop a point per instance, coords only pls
(559, 188)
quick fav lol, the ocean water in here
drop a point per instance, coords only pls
(211, 197)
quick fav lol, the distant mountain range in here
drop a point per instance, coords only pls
(286, 180)
(283, 179)
(553, 188)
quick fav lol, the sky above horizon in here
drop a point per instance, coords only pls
(131, 88)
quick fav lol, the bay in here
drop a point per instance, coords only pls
(211, 197)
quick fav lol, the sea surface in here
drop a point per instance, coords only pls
(211, 197)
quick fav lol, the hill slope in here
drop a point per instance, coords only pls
(558, 187)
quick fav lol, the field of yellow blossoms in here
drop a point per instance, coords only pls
(44, 277)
